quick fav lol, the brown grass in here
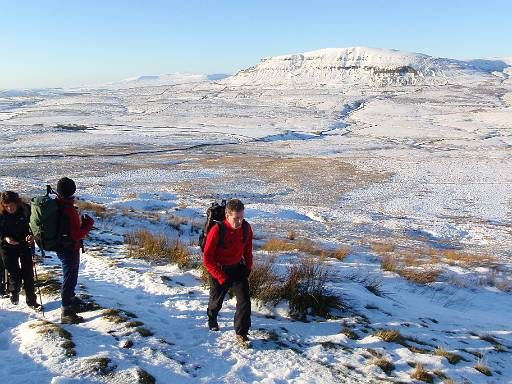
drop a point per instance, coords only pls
(480, 367)
(264, 284)
(99, 209)
(451, 357)
(389, 263)
(456, 257)
(305, 289)
(420, 276)
(177, 221)
(390, 336)
(157, 247)
(422, 375)
(382, 248)
(384, 364)
(306, 246)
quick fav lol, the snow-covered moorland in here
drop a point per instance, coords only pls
(392, 171)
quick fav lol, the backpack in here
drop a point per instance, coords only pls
(215, 215)
(49, 227)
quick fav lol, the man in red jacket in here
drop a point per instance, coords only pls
(228, 259)
(73, 230)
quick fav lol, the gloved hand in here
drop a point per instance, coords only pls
(225, 285)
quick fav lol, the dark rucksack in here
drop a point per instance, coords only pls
(49, 227)
(215, 215)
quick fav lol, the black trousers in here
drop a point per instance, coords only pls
(239, 284)
(3, 281)
(18, 262)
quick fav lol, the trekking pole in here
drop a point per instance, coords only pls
(37, 281)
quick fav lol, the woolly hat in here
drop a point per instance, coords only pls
(8, 197)
(66, 187)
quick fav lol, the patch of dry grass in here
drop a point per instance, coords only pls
(480, 367)
(52, 330)
(157, 247)
(306, 246)
(99, 209)
(305, 289)
(452, 358)
(382, 248)
(384, 364)
(422, 375)
(420, 276)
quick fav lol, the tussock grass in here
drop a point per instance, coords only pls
(100, 365)
(49, 283)
(144, 332)
(144, 377)
(99, 209)
(382, 248)
(422, 375)
(390, 336)
(51, 330)
(264, 284)
(305, 246)
(384, 364)
(451, 357)
(177, 221)
(157, 247)
(457, 257)
(420, 276)
(480, 367)
(349, 333)
(389, 263)
(305, 289)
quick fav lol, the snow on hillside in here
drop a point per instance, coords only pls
(359, 65)
(411, 182)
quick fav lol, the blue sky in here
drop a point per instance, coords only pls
(69, 43)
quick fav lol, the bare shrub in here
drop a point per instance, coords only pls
(456, 257)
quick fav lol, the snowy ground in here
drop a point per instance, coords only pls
(414, 167)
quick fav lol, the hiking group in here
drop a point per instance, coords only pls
(54, 224)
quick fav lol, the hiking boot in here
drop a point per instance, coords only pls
(34, 304)
(67, 316)
(213, 325)
(243, 341)
(15, 298)
(78, 305)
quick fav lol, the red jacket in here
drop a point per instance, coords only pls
(77, 229)
(215, 257)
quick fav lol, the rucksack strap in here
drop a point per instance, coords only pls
(222, 231)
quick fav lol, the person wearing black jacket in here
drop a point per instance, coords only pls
(16, 242)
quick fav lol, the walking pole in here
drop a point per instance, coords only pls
(37, 280)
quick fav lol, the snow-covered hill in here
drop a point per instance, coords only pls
(366, 66)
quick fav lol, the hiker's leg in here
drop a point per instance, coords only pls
(217, 294)
(12, 264)
(243, 306)
(70, 263)
(27, 273)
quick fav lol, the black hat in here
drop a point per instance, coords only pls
(8, 197)
(66, 187)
